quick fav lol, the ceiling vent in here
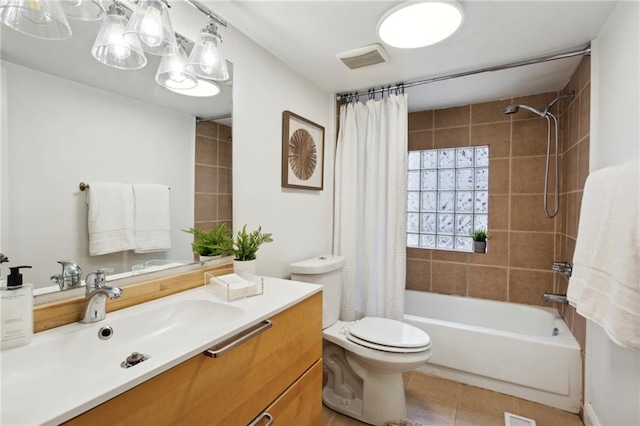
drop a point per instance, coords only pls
(364, 56)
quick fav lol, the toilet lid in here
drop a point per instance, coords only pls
(388, 335)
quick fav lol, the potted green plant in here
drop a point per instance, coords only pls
(212, 243)
(245, 247)
(479, 237)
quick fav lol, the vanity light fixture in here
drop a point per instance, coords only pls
(38, 18)
(206, 59)
(111, 48)
(83, 10)
(418, 24)
(151, 26)
(205, 88)
(172, 72)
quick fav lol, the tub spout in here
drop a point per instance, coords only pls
(554, 297)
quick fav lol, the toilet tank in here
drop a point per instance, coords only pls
(327, 272)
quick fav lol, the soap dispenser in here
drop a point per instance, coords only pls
(17, 310)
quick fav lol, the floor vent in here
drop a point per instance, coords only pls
(513, 420)
(364, 56)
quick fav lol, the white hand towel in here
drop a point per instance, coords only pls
(605, 282)
(152, 218)
(110, 218)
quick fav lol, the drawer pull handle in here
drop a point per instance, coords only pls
(260, 417)
(223, 347)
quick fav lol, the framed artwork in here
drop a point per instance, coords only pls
(302, 153)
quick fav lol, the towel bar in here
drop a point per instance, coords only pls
(84, 186)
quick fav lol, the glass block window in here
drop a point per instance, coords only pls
(448, 197)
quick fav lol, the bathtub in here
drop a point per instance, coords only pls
(521, 350)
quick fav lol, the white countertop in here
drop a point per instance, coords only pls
(49, 383)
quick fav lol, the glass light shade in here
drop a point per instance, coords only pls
(205, 88)
(206, 59)
(112, 49)
(151, 27)
(38, 18)
(172, 72)
(411, 24)
(83, 10)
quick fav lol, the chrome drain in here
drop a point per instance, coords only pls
(133, 359)
(105, 333)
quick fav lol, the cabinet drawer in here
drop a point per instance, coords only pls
(301, 404)
(228, 390)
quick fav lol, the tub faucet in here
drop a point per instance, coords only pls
(95, 301)
(554, 297)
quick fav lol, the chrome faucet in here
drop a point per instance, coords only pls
(563, 268)
(554, 298)
(95, 302)
(70, 277)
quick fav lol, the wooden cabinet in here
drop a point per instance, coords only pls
(298, 405)
(278, 369)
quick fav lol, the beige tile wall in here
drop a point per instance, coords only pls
(213, 189)
(523, 242)
(575, 168)
(521, 248)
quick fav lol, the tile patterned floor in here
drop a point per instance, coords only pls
(435, 401)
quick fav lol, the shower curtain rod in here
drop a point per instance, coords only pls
(581, 52)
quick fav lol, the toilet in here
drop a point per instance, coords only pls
(364, 360)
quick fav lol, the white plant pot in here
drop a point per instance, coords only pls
(208, 258)
(245, 266)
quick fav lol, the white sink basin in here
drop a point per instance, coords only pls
(145, 332)
(155, 333)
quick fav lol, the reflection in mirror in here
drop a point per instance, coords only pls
(67, 118)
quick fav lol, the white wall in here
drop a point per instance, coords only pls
(612, 373)
(301, 221)
(57, 133)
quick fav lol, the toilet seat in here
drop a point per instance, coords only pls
(388, 335)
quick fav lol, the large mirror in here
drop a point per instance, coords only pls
(66, 119)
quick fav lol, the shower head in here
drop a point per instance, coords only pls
(512, 109)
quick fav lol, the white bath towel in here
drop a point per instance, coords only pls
(152, 218)
(110, 218)
(605, 282)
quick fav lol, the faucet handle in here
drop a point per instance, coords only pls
(97, 279)
(562, 267)
(70, 277)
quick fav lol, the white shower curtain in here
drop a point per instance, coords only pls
(370, 207)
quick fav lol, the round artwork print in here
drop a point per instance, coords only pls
(302, 154)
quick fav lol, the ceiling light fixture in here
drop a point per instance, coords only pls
(151, 26)
(83, 10)
(38, 18)
(172, 72)
(411, 24)
(206, 59)
(111, 48)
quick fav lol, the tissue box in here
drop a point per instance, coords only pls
(234, 286)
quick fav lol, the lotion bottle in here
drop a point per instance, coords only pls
(17, 310)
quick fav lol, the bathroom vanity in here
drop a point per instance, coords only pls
(276, 373)
(264, 363)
